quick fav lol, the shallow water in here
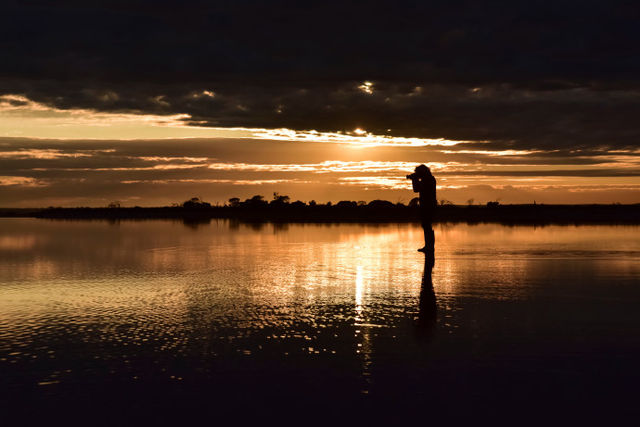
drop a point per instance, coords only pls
(169, 319)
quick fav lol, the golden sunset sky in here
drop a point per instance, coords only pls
(80, 157)
(152, 104)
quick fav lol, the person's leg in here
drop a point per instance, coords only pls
(429, 236)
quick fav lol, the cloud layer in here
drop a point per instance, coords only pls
(510, 100)
(158, 172)
(523, 75)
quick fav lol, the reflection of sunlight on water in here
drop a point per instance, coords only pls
(359, 293)
(17, 242)
(362, 335)
(158, 288)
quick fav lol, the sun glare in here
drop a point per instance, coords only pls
(366, 87)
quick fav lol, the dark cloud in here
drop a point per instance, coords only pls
(521, 74)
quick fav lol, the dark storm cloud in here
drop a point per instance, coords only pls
(520, 74)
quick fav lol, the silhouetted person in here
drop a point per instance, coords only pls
(427, 308)
(424, 183)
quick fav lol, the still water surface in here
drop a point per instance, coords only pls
(162, 318)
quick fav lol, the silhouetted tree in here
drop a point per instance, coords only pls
(256, 200)
(196, 202)
(234, 202)
(380, 204)
(279, 200)
(346, 204)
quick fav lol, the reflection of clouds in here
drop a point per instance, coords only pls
(17, 242)
(346, 290)
(506, 259)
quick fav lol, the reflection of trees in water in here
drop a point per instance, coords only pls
(279, 227)
(236, 224)
(194, 223)
(256, 226)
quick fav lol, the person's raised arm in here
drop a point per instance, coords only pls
(416, 183)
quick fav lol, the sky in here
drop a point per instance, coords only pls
(152, 103)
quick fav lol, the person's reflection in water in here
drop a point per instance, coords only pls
(427, 308)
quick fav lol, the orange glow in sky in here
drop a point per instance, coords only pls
(148, 159)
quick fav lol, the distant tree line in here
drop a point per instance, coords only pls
(282, 201)
(281, 209)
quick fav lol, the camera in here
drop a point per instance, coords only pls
(411, 176)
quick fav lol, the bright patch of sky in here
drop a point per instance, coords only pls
(53, 156)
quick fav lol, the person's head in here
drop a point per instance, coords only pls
(422, 171)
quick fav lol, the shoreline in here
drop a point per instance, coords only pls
(503, 214)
